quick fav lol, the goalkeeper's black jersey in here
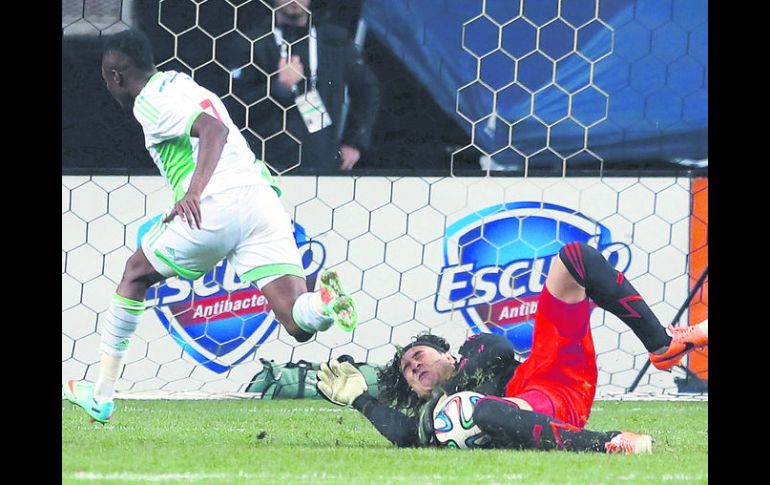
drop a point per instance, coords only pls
(487, 362)
(486, 365)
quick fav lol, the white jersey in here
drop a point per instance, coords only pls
(166, 108)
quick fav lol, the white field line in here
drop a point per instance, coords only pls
(347, 478)
(283, 476)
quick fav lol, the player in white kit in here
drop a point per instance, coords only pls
(225, 205)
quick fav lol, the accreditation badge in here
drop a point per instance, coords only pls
(313, 111)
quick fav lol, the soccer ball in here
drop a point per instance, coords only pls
(453, 421)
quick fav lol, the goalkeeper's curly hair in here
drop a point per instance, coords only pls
(394, 391)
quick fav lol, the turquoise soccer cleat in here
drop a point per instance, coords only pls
(337, 303)
(82, 394)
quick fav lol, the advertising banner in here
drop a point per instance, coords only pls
(451, 256)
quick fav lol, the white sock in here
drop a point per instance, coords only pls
(110, 368)
(119, 326)
(308, 313)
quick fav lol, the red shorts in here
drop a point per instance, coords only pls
(559, 377)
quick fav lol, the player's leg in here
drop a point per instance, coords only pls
(303, 313)
(282, 293)
(171, 249)
(122, 320)
(562, 362)
(118, 327)
(562, 285)
(268, 256)
(512, 425)
(614, 293)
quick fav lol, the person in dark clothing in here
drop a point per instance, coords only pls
(542, 403)
(309, 67)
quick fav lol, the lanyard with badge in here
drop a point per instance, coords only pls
(309, 104)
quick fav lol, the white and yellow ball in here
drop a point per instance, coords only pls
(453, 421)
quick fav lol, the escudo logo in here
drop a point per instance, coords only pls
(496, 261)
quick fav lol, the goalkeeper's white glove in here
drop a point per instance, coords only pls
(341, 383)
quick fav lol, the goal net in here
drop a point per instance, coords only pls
(453, 255)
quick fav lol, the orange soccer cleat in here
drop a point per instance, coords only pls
(684, 339)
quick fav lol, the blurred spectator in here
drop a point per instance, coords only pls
(309, 67)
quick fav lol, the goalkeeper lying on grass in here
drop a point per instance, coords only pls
(549, 396)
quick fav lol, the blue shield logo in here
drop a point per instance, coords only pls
(219, 320)
(496, 261)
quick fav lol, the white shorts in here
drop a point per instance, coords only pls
(247, 225)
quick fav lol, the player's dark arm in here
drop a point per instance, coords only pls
(364, 99)
(212, 134)
(343, 384)
(398, 428)
(267, 58)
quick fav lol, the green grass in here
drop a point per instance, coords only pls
(283, 442)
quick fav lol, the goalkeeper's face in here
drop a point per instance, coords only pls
(424, 368)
